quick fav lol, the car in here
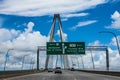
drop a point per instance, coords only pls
(58, 70)
(72, 69)
(50, 69)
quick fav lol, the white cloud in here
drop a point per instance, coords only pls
(64, 35)
(81, 24)
(30, 27)
(113, 42)
(24, 43)
(46, 7)
(114, 57)
(116, 15)
(116, 21)
(6, 34)
(64, 19)
(32, 39)
(95, 43)
(70, 15)
(74, 15)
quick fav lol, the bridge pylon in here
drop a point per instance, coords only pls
(64, 58)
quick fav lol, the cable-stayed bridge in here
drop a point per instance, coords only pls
(72, 66)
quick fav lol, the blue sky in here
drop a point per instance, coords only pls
(99, 14)
(30, 22)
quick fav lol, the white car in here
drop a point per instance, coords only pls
(50, 69)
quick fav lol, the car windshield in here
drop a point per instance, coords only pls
(58, 68)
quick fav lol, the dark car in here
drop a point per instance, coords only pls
(72, 69)
(58, 70)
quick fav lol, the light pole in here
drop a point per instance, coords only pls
(92, 59)
(72, 62)
(31, 63)
(56, 62)
(82, 61)
(23, 62)
(78, 63)
(6, 58)
(115, 38)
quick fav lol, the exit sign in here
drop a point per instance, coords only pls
(74, 47)
(65, 48)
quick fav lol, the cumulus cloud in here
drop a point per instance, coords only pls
(100, 56)
(116, 15)
(32, 39)
(6, 34)
(95, 43)
(114, 59)
(116, 21)
(113, 41)
(29, 27)
(46, 7)
(64, 35)
(81, 24)
(23, 43)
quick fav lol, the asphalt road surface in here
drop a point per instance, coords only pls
(66, 75)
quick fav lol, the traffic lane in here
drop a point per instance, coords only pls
(77, 75)
(40, 76)
(91, 76)
(43, 76)
(66, 75)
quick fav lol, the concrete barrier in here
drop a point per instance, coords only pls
(113, 73)
(6, 74)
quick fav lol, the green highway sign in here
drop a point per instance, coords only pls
(74, 47)
(65, 48)
(54, 48)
